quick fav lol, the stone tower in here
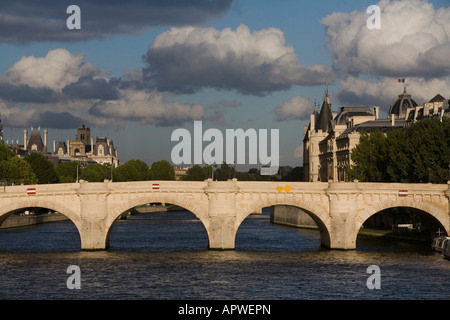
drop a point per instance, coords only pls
(314, 133)
(84, 134)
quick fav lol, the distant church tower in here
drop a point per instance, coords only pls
(84, 134)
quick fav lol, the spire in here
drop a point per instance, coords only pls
(325, 114)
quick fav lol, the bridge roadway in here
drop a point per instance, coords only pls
(338, 208)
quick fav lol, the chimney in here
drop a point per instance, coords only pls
(92, 145)
(25, 132)
(376, 112)
(425, 109)
(45, 140)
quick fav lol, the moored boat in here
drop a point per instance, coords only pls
(438, 243)
(446, 248)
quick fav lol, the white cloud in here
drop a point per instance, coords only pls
(187, 59)
(147, 108)
(56, 70)
(294, 108)
(414, 40)
(62, 86)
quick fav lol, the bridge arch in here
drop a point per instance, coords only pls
(6, 210)
(37, 202)
(118, 209)
(440, 215)
(318, 214)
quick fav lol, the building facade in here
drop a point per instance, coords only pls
(83, 149)
(329, 138)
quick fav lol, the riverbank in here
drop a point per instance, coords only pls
(20, 221)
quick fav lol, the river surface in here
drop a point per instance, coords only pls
(166, 256)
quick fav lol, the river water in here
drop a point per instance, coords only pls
(166, 256)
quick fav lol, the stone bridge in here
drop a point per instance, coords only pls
(338, 208)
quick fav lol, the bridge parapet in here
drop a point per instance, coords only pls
(157, 186)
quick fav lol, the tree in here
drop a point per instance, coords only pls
(197, 173)
(225, 172)
(67, 172)
(95, 172)
(132, 170)
(398, 167)
(17, 171)
(369, 157)
(162, 170)
(5, 153)
(295, 174)
(427, 143)
(419, 153)
(42, 167)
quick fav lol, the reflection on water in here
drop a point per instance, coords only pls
(166, 256)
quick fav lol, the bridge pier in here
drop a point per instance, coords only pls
(222, 214)
(93, 235)
(93, 214)
(343, 211)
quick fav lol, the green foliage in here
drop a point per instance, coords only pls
(132, 170)
(419, 153)
(197, 173)
(96, 172)
(5, 153)
(398, 167)
(42, 167)
(370, 156)
(223, 173)
(67, 172)
(295, 174)
(162, 170)
(428, 144)
(17, 171)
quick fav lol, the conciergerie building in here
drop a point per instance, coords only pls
(330, 137)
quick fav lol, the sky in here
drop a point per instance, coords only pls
(135, 71)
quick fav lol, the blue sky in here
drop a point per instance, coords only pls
(138, 98)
